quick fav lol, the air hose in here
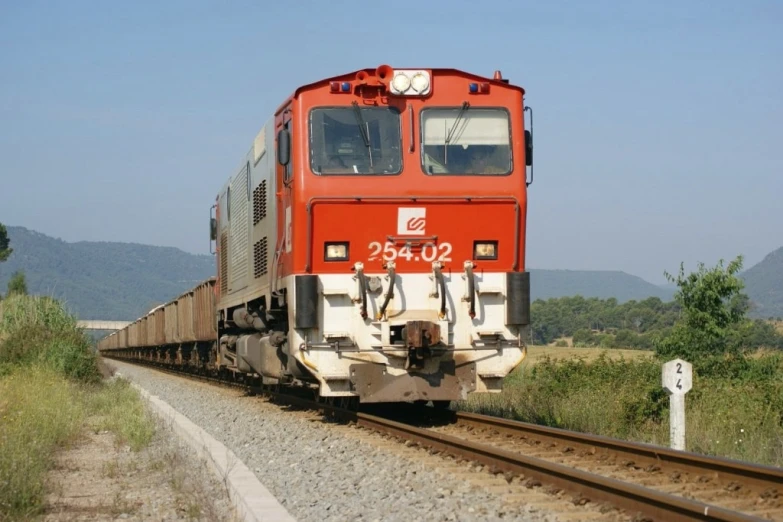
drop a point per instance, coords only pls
(363, 291)
(442, 283)
(471, 289)
(389, 292)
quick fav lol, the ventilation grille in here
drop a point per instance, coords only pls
(239, 226)
(260, 266)
(259, 203)
(224, 263)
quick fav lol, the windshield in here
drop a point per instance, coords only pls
(355, 140)
(466, 140)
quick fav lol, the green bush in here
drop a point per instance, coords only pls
(49, 387)
(37, 329)
(735, 408)
(584, 337)
(564, 316)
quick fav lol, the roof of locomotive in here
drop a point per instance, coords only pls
(349, 76)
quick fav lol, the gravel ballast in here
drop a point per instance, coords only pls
(315, 472)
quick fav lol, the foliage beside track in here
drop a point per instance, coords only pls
(50, 391)
(38, 330)
(41, 410)
(735, 408)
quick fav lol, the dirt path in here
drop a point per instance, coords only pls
(97, 480)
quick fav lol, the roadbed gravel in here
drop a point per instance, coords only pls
(317, 473)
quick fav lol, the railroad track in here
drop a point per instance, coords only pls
(643, 481)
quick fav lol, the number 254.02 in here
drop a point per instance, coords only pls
(429, 252)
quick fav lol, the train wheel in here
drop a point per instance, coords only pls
(441, 405)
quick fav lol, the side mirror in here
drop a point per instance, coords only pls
(213, 229)
(283, 147)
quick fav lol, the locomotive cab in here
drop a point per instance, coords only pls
(373, 241)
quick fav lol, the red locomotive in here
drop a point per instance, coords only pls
(372, 242)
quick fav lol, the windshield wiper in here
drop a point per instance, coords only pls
(465, 106)
(450, 134)
(360, 121)
(363, 128)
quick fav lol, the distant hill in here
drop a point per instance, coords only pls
(545, 284)
(103, 280)
(764, 285)
(122, 281)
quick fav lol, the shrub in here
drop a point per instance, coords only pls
(713, 318)
(50, 384)
(735, 408)
(37, 329)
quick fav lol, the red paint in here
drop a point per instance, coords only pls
(456, 221)
(449, 228)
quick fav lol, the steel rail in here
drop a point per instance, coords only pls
(756, 476)
(624, 495)
(627, 496)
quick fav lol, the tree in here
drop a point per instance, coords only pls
(5, 249)
(17, 284)
(712, 320)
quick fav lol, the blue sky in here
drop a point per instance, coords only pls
(658, 125)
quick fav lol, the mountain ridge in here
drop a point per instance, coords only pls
(103, 279)
(122, 281)
(764, 285)
(547, 283)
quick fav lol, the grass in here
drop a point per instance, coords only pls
(118, 408)
(538, 354)
(41, 411)
(733, 411)
(49, 388)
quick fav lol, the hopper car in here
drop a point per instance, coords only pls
(370, 245)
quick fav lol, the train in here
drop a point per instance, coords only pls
(369, 246)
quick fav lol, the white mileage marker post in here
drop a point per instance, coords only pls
(677, 381)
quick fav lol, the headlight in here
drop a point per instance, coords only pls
(485, 250)
(420, 82)
(336, 251)
(411, 82)
(401, 82)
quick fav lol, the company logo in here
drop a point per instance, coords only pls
(411, 221)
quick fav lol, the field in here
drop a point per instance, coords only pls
(734, 410)
(538, 354)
